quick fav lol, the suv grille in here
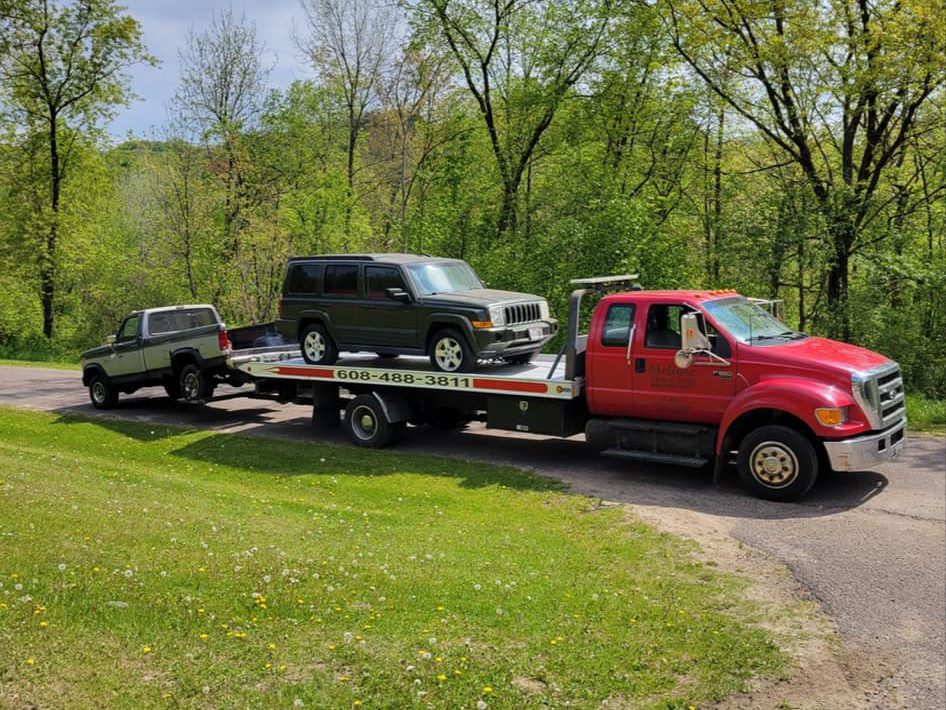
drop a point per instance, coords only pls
(521, 313)
(879, 392)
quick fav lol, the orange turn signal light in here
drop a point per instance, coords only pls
(831, 416)
(482, 323)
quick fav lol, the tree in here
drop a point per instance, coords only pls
(349, 43)
(519, 60)
(838, 86)
(221, 90)
(62, 71)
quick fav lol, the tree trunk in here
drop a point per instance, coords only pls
(838, 270)
(47, 269)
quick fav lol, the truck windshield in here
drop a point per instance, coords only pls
(445, 277)
(749, 323)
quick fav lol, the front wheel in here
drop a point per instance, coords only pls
(102, 393)
(777, 463)
(366, 424)
(449, 352)
(196, 386)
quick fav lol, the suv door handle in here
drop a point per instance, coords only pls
(640, 364)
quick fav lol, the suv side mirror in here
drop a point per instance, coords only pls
(110, 339)
(398, 294)
(692, 340)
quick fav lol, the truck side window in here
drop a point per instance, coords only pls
(129, 329)
(379, 278)
(617, 325)
(341, 280)
(663, 327)
(304, 278)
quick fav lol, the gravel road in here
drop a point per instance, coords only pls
(869, 547)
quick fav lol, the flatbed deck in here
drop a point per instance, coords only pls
(541, 378)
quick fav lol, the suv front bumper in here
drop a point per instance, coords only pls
(864, 452)
(508, 341)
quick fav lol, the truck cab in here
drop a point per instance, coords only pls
(690, 377)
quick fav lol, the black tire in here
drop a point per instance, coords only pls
(777, 463)
(102, 393)
(196, 386)
(523, 359)
(317, 345)
(366, 425)
(449, 352)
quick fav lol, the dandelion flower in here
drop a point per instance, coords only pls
(441, 677)
(487, 689)
(44, 624)
(204, 637)
(62, 566)
(146, 649)
(30, 661)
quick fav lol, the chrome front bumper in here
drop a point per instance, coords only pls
(865, 452)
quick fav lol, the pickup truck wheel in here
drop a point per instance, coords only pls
(195, 385)
(366, 424)
(777, 463)
(449, 352)
(102, 393)
(317, 345)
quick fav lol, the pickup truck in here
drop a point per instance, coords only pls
(185, 349)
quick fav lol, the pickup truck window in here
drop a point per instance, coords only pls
(617, 325)
(129, 329)
(748, 323)
(173, 321)
(663, 326)
(304, 278)
(341, 280)
(378, 278)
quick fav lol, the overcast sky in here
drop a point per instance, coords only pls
(165, 24)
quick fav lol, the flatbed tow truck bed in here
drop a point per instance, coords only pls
(543, 377)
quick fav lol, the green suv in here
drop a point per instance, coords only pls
(407, 304)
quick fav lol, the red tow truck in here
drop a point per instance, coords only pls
(691, 378)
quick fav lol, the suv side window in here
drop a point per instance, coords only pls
(379, 278)
(129, 330)
(341, 280)
(304, 278)
(663, 326)
(617, 325)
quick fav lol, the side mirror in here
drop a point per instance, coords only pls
(110, 340)
(692, 340)
(398, 294)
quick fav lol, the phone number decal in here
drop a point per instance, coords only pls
(404, 378)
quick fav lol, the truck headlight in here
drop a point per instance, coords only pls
(831, 416)
(544, 310)
(497, 315)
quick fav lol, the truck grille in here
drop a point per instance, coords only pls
(879, 392)
(521, 313)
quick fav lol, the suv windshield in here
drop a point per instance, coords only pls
(445, 277)
(748, 322)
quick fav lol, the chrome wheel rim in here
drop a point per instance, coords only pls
(773, 464)
(314, 345)
(191, 385)
(364, 422)
(448, 353)
(98, 391)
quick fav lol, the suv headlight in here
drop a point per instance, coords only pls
(544, 310)
(497, 315)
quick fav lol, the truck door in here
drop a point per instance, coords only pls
(611, 370)
(340, 289)
(125, 359)
(382, 320)
(699, 393)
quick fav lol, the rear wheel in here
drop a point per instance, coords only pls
(449, 352)
(366, 424)
(777, 463)
(102, 393)
(318, 348)
(196, 386)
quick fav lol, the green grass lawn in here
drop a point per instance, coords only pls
(33, 363)
(154, 567)
(925, 414)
